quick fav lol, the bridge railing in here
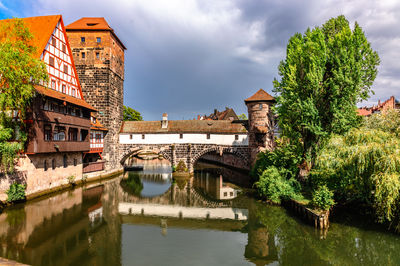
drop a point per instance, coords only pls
(93, 167)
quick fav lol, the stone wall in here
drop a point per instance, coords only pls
(30, 171)
(261, 128)
(102, 79)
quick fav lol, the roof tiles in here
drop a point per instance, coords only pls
(260, 96)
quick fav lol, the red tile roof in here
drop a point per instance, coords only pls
(260, 96)
(92, 24)
(63, 97)
(41, 28)
(97, 125)
(183, 126)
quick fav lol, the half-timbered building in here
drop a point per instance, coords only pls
(60, 118)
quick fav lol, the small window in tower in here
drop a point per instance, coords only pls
(83, 55)
(51, 61)
(54, 42)
(53, 84)
(98, 40)
(260, 106)
(65, 69)
(64, 89)
(64, 48)
(97, 55)
(82, 39)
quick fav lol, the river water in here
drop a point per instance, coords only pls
(150, 218)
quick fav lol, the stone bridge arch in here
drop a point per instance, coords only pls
(188, 153)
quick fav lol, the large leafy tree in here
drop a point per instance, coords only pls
(131, 114)
(19, 72)
(327, 70)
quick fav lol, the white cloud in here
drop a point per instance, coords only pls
(2, 6)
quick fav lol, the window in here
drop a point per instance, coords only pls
(64, 48)
(47, 132)
(231, 193)
(75, 161)
(225, 194)
(84, 134)
(130, 136)
(64, 88)
(59, 133)
(45, 165)
(142, 136)
(208, 136)
(53, 84)
(73, 134)
(236, 137)
(53, 164)
(181, 136)
(83, 55)
(74, 92)
(65, 162)
(54, 42)
(97, 55)
(98, 138)
(46, 105)
(65, 69)
(260, 106)
(82, 39)
(78, 111)
(51, 61)
(98, 40)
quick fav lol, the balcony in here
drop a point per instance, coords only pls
(93, 167)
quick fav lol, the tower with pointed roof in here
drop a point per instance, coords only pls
(260, 123)
(99, 59)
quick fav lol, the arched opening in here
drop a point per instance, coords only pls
(222, 157)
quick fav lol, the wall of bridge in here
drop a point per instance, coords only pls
(200, 138)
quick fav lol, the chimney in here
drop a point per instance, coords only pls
(215, 111)
(164, 122)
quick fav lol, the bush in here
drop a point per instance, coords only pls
(322, 198)
(273, 186)
(71, 179)
(181, 167)
(16, 192)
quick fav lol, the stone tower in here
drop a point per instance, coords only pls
(261, 123)
(99, 59)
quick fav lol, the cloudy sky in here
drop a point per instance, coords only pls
(187, 57)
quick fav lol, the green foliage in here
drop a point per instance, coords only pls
(19, 69)
(364, 166)
(275, 187)
(16, 192)
(181, 167)
(327, 70)
(173, 168)
(131, 114)
(133, 184)
(242, 117)
(322, 198)
(285, 157)
(71, 179)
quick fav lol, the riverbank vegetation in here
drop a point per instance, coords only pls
(130, 114)
(326, 152)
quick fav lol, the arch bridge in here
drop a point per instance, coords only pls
(189, 153)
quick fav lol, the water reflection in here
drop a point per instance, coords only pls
(188, 223)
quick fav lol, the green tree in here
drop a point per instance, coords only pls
(131, 114)
(327, 70)
(242, 117)
(20, 70)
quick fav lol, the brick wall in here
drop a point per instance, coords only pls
(101, 74)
